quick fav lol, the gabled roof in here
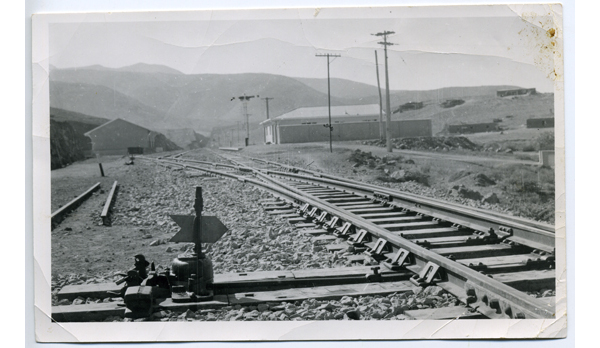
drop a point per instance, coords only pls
(109, 122)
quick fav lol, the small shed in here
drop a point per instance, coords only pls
(350, 122)
(116, 136)
(542, 122)
(517, 91)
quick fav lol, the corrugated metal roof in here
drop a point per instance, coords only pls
(321, 111)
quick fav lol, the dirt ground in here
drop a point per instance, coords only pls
(149, 193)
(523, 188)
(84, 250)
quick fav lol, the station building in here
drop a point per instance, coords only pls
(350, 122)
(117, 136)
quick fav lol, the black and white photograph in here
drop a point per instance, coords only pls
(293, 174)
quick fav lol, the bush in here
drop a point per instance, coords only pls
(528, 147)
(546, 141)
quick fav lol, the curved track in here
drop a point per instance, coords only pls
(490, 261)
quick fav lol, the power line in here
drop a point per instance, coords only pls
(329, 97)
(388, 132)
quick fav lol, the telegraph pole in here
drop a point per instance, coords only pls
(244, 100)
(329, 96)
(388, 110)
(381, 131)
(267, 100)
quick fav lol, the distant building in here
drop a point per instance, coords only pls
(519, 91)
(185, 138)
(473, 128)
(409, 106)
(351, 122)
(547, 122)
(117, 136)
(450, 103)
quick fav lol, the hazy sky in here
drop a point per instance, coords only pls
(435, 47)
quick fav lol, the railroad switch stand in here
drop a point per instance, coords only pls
(190, 276)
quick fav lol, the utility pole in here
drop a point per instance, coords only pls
(329, 96)
(244, 100)
(267, 100)
(388, 110)
(381, 131)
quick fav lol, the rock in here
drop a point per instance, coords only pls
(346, 301)
(398, 174)
(548, 293)
(433, 290)
(189, 314)
(378, 314)
(262, 307)
(458, 175)
(322, 315)
(483, 180)
(469, 194)
(159, 314)
(169, 250)
(63, 302)
(432, 299)
(491, 198)
(78, 301)
(254, 314)
(409, 161)
(326, 306)
(352, 315)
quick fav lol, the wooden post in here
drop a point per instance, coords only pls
(381, 129)
(101, 169)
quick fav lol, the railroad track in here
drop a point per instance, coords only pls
(491, 262)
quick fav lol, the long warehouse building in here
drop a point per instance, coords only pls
(350, 122)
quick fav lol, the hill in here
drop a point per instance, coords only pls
(161, 100)
(159, 97)
(356, 90)
(61, 115)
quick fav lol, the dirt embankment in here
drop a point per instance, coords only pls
(428, 143)
(67, 145)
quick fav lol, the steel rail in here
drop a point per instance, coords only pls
(58, 215)
(508, 302)
(515, 300)
(522, 233)
(515, 303)
(411, 196)
(230, 175)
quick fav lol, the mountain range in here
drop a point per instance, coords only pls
(159, 97)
